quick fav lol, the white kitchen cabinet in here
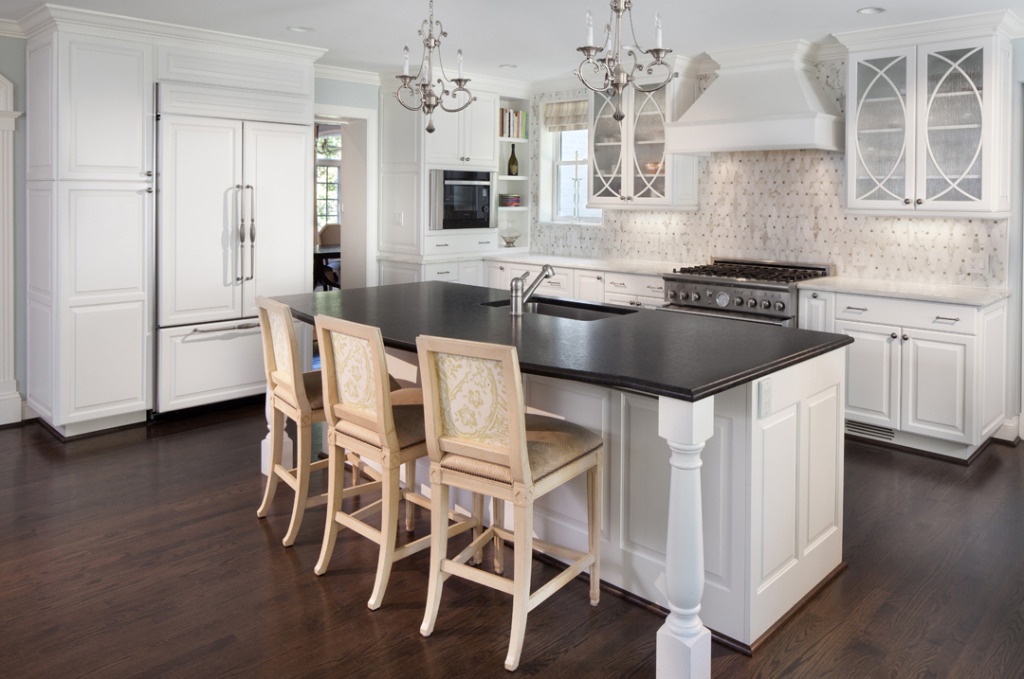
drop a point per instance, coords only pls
(465, 271)
(496, 274)
(89, 225)
(628, 165)
(467, 139)
(771, 491)
(588, 285)
(927, 123)
(627, 289)
(817, 311)
(560, 285)
(919, 373)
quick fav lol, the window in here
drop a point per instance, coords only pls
(564, 149)
(328, 175)
(570, 174)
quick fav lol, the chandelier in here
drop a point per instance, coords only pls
(603, 69)
(420, 92)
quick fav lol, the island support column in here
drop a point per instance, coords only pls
(684, 643)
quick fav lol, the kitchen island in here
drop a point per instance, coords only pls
(767, 400)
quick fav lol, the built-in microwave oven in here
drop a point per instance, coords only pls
(461, 199)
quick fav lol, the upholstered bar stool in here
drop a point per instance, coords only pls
(294, 394)
(480, 438)
(384, 427)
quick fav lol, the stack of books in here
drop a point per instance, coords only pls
(512, 123)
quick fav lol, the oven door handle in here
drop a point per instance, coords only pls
(750, 318)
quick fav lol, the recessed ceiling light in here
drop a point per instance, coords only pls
(507, 66)
(301, 29)
(870, 10)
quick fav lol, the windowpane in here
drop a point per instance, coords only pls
(570, 173)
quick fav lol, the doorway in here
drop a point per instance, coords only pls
(356, 131)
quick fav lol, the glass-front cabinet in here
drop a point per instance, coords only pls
(628, 166)
(927, 127)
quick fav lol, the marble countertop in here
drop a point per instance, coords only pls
(658, 353)
(955, 294)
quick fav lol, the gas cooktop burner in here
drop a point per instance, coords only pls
(753, 271)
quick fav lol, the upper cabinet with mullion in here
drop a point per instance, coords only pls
(928, 123)
(629, 167)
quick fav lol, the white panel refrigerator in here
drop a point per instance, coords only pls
(234, 220)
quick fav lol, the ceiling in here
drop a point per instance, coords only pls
(538, 37)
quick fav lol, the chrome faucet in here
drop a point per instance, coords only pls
(519, 296)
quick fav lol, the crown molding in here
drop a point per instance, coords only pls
(51, 17)
(1005, 23)
(349, 75)
(11, 29)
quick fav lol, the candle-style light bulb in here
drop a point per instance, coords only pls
(590, 29)
(405, 61)
(459, 55)
(657, 31)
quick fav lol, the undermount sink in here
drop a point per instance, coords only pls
(564, 308)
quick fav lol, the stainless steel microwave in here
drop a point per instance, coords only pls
(461, 199)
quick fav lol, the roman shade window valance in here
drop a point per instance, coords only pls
(565, 115)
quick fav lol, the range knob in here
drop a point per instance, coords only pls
(751, 303)
(694, 296)
(738, 301)
(765, 304)
(672, 294)
(780, 306)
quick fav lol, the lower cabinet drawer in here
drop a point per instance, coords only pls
(634, 284)
(907, 313)
(444, 271)
(461, 242)
(207, 363)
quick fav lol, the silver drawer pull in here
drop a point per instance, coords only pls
(656, 288)
(443, 273)
(554, 284)
(954, 319)
(441, 245)
(856, 308)
(618, 284)
(240, 326)
(483, 242)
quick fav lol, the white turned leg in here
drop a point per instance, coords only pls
(684, 644)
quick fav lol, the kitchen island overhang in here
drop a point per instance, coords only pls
(774, 491)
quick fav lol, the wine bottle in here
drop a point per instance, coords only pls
(513, 163)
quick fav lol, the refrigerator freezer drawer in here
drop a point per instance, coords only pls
(207, 363)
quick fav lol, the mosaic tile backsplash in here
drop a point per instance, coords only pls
(788, 206)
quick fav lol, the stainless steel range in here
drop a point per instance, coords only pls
(741, 289)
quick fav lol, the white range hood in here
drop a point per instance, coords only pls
(764, 98)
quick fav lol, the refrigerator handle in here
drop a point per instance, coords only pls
(252, 232)
(241, 232)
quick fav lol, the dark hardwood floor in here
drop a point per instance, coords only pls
(138, 553)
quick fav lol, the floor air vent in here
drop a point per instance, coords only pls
(870, 430)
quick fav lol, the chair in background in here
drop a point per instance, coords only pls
(328, 273)
(329, 234)
(368, 419)
(294, 394)
(480, 439)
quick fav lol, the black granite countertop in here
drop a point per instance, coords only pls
(659, 353)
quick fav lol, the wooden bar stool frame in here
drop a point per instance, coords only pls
(368, 431)
(462, 462)
(294, 394)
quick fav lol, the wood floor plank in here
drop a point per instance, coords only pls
(138, 553)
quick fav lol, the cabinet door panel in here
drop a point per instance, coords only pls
(480, 131)
(278, 165)
(881, 138)
(108, 120)
(201, 165)
(872, 373)
(936, 371)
